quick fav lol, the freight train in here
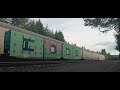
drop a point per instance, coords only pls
(21, 43)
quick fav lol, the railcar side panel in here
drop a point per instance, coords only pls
(101, 57)
(95, 56)
(52, 49)
(24, 45)
(76, 53)
(67, 51)
(86, 54)
(71, 52)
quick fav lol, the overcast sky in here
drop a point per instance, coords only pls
(75, 32)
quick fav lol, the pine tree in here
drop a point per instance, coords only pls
(103, 51)
(59, 36)
(39, 27)
(109, 56)
(32, 26)
(118, 43)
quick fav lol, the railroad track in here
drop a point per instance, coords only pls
(6, 62)
(25, 63)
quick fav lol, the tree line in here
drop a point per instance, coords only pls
(34, 26)
(104, 25)
(108, 56)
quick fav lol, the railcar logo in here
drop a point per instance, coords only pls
(53, 49)
(26, 46)
(76, 53)
(67, 51)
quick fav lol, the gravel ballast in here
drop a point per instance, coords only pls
(82, 66)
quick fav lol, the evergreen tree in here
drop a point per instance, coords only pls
(75, 45)
(103, 51)
(109, 56)
(56, 35)
(39, 28)
(32, 26)
(59, 36)
(51, 33)
(46, 30)
(19, 22)
(118, 43)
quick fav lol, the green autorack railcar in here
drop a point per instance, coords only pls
(22, 45)
(71, 52)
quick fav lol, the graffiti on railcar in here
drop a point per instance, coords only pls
(26, 44)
